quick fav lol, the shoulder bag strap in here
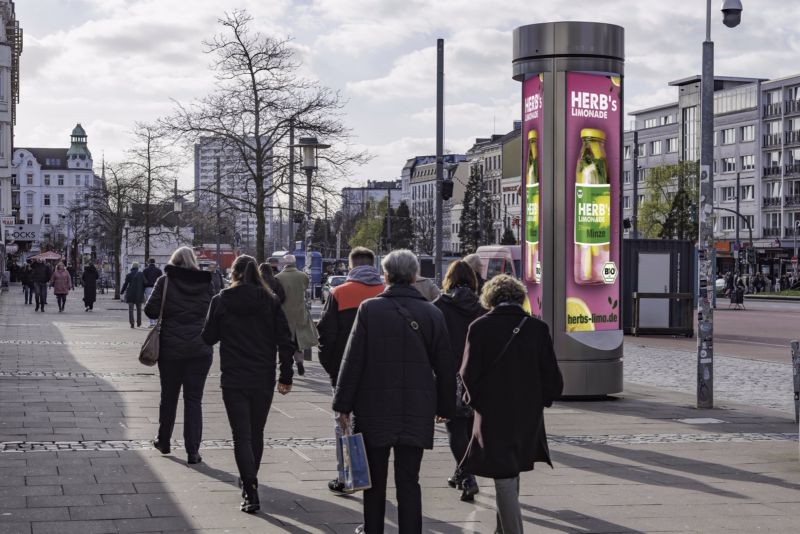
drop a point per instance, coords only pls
(163, 299)
(412, 323)
(507, 345)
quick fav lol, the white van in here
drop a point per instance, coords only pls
(500, 259)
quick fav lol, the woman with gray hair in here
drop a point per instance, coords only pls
(184, 358)
(510, 375)
(397, 376)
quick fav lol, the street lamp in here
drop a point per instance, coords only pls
(309, 147)
(177, 208)
(731, 11)
(794, 258)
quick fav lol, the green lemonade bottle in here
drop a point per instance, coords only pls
(592, 209)
(533, 266)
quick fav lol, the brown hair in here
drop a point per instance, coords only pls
(245, 271)
(460, 274)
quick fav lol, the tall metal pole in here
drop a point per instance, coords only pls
(219, 216)
(737, 263)
(291, 183)
(439, 158)
(389, 220)
(705, 244)
(309, 226)
(635, 184)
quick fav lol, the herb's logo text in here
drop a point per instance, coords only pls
(592, 105)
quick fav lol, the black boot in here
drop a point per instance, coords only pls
(250, 504)
(455, 480)
(469, 488)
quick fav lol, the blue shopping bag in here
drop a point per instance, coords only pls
(354, 456)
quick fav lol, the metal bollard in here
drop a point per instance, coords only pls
(796, 374)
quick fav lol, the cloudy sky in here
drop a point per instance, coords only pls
(108, 63)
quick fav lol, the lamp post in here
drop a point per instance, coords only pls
(177, 208)
(794, 258)
(309, 147)
(732, 11)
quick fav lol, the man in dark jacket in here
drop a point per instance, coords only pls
(397, 376)
(40, 274)
(151, 274)
(217, 280)
(133, 289)
(335, 324)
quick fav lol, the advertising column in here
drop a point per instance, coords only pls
(532, 133)
(592, 219)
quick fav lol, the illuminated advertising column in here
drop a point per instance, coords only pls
(572, 105)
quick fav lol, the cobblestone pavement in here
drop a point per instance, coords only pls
(753, 382)
(77, 412)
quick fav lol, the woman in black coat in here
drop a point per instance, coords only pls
(184, 358)
(268, 275)
(396, 379)
(460, 306)
(249, 323)
(89, 279)
(509, 379)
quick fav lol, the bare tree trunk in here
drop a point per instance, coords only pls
(260, 222)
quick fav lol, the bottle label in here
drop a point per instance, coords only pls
(592, 214)
(532, 214)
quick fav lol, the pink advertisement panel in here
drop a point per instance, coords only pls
(532, 130)
(594, 112)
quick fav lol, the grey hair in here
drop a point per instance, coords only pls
(184, 257)
(502, 289)
(401, 267)
(135, 265)
(474, 261)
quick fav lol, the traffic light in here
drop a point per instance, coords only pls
(447, 189)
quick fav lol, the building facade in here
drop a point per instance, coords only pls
(50, 182)
(235, 181)
(756, 162)
(10, 50)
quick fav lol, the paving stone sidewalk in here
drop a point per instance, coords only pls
(77, 411)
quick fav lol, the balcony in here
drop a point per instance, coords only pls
(772, 139)
(775, 170)
(792, 168)
(792, 107)
(771, 110)
(771, 232)
(771, 202)
(792, 137)
(789, 232)
(792, 200)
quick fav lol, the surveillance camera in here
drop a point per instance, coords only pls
(731, 13)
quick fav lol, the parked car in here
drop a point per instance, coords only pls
(331, 282)
(500, 259)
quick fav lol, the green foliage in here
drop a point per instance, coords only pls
(370, 225)
(668, 210)
(476, 214)
(402, 228)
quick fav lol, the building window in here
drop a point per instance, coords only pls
(773, 220)
(774, 127)
(60, 179)
(47, 200)
(29, 199)
(672, 145)
(748, 192)
(626, 202)
(655, 148)
(78, 179)
(46, 179)
(716, 137)
(29, 218)
(60, 200)
(728, 136)
(640, 150)
(651, 123)
(748, 133)
(46, 218)
(627, 152)
(728, 193)
(748, 162)
(750, 221)
(30, 163)
(691, 150)
(29, 179)
(773, 158)
(627, 177)
(728, 164)
(642, 175)
(727, 223)
(641, 200)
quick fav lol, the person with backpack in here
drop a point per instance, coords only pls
(133, 289)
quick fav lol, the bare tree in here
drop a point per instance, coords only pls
(153, 165)
(259, 96)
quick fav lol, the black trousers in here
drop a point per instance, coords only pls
(459, 432)
(247, 414)
(407, 461)
(138, 306)
(61, 300)
(189, 374)
(28, 292)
